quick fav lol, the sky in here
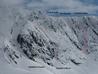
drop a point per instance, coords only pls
(90, 6)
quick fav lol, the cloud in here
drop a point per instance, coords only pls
(94, 2)
(11, 2)
(69, 5)
(66, 5)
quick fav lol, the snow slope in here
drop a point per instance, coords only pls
(40, 44)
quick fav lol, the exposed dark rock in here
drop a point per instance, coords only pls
(76, 63)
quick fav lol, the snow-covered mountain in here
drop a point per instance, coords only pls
(40, 44)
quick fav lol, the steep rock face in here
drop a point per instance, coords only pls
(66, 43)
(35, 44)
(83, 28)
(55, 40)
(48, 39)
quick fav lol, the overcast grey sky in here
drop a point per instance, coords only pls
(70, 5)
